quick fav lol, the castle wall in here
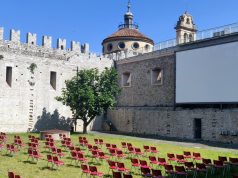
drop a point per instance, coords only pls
(166, 122)
(27, 101)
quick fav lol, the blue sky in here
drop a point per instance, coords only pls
(93, 20)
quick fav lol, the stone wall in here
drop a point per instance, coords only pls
(178, 123)
(29, 104)
(142, 92)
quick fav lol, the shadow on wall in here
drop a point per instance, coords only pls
(97, 123)
(48, 121)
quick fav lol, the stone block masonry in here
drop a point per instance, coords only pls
(32, 76)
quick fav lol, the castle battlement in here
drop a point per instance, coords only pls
(30, 47)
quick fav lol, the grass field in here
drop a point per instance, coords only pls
(27, 169)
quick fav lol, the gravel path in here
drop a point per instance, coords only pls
(205, 145)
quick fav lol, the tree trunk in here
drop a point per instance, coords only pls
(105, 115)
(85, 124)
(75, 125)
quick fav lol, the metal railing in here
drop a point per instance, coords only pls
(201, 35)
(131, 26)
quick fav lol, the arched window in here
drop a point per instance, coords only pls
(190, 37)
(187, 21)
(185, 39)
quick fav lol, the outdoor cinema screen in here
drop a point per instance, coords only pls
(207, 75)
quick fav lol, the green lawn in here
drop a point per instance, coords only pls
(19, 164)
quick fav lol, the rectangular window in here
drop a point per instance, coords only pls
(126, 79)
(156, 76)
(53, 80)
(9, 76)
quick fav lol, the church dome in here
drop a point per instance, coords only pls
(127, 38)
(128, 34)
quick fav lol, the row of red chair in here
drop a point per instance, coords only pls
(13, 175)
(154, 173)
(18, 141)
(54, 160)
(33, 154)
(11, 149)
(91, 171)
(78, 157)
(98, 141)
(119, 175)
(117, 166)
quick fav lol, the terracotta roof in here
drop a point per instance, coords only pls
(127, 33)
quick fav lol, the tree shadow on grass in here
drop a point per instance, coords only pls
(48, 168)
(48, 121)
(29, 162)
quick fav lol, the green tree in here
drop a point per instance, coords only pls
(90, 94)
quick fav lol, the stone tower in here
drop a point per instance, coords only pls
(185, 29)
(127, 38)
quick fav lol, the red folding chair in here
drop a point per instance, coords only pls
(74, 157)
(146, 149)
(218, 165)
(169, 170)
(233, 162)
(112, 165)
(36, 155)
(153, 150)
(116, 174)
(121, 167)
(30, 154)
(135, 163)
(127, 175)
(171, 157)
(201, 168)
(156, 173)
(102, 156)
(153, 160)
(120, 154)
(11, 175)
(49, 160)
(85, 170)
(143, 164)
(57, 162)
(225, 162)
(138, 152)
(162, 162)
(189, 166)
(187, 155)
(180, 159)
(145, 172)
(81, 158)
(123, 144)
(60, 153)
(180, 171)
(197, 156)
(94, 171)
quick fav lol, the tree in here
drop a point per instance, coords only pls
(89, 94)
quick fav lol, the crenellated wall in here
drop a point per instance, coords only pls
(31, 41)
(27, 94)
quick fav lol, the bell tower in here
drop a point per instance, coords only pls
(185, 29)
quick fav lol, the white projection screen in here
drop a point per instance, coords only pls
(207, 75)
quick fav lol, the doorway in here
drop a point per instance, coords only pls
(197, 128)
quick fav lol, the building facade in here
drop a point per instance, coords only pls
(32, 76)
